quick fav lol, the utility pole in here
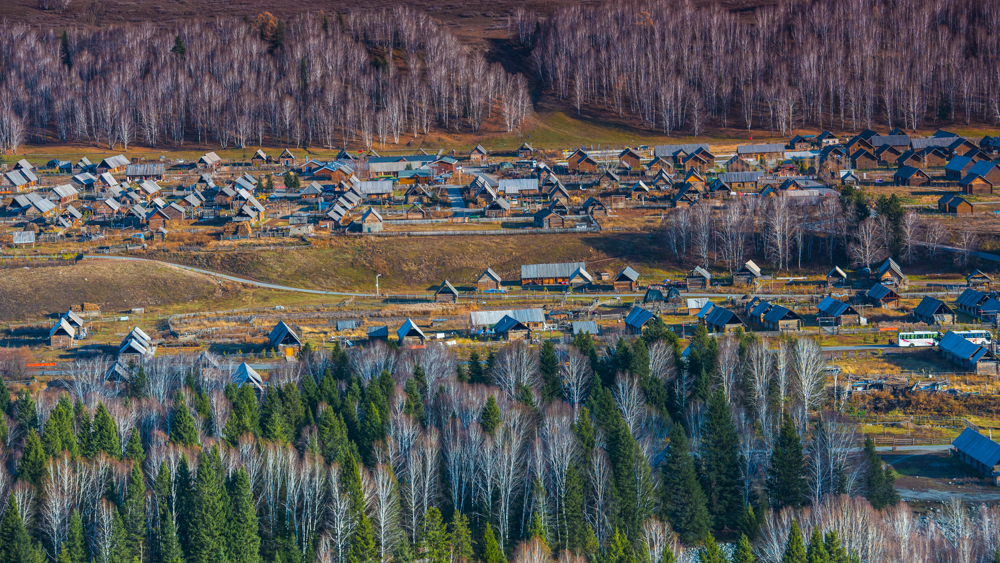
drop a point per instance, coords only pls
(376, 284)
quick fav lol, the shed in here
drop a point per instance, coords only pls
(282, 336)
(971, 356)
(509, 328)
(371, 221)
(882, 296)
(246, 375)
(637, 318)
(698, 278)
(410, 335)
(836, 277)
(840, 313)
(979, 452)
(934, 311)
(720, 319)
(378, 333)
(62, 335)
(446, 293)
(979, 279)
(747, 275)
(626, 280)
(781, 318)
(585, 327)
(488, 280)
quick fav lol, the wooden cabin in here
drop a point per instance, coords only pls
(698, 278)
(488, 280)
(626, 280)
(446, 293)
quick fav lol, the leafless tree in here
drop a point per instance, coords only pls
(370, 361)
(810, 377)
(868, 244)
(631, 401)
(967, 242)
(575, 374)
(516, 365)
(935, 234)
(341, 520)
(384, 510)
(910, 231)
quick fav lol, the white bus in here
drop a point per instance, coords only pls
(981, 337)
(917, 339)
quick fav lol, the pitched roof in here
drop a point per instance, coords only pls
(698, 271)
(760, 149)
(929, 307)
(116, 161)
(956, 345)
(638, 317)
(489, 273)
(888, 265)
(779, 313)
(489, 318)
(282, 332)
(837, 272)
(563, 270)
(409, 328)
(371, 213)
(978, 447)
(628, 273)
(971, 298)
(831, 307)
(730, 177)
(893, 140)
(245, 374)
(751, 267)
(446, 287)
(720, 316)
(879, 291)
(517, 185)
(508, 323)
(671, 150)
(584, 327)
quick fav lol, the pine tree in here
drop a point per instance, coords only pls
(834, 549)
(795, 550)
(435, 542)
(208, 518)
(4, 397)
(121, 549)
(363, 548)
(490, 417)
(133, 450)
(683, 501)
(880, 481)
(104, 437)
(476, 374)
(816, 552)
(618, 549)
(786, 478)
(243, 541)
(721, 463)
(491, 549)
(27, 414)
(13, 535)
(548, 365)
(178, 49)
(350, 483)
(183, 430)
(74, 546)
(184, 499)
(584, 430)
(139, 383)
(711, 552)
(372, 433)
(133, 511)
(461, 539)
(573, 511)
(748, 525)
(414, 406)
(537, 530)
(743, 553)
(33, 467)
(639, 362)
(667, 555)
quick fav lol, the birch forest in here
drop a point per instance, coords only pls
(606, 450)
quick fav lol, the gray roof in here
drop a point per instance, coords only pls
(409, 328)
(638, 317)
(978, 447)
(517, 185)
(837, 272)
(890, 264)
(23, 237)
(699, 271)
(760, 149)
(918, 144)
(564, 270)
(492, 275)
(585, 327)
(729, 177)
(375, 187)
(147, 169)
(446, 287)
(628, 273)
(376, 331)
(891, 140)
(116, 161)
(245, 374)
(490, 318)
(929, 307)
(65, 190)
(830, 307)
(751, 267)
(671, 150)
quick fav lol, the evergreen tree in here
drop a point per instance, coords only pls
(84, 443)
(491, 362)
(834, 549)
(786, 481)
(618, 549)
(816, 551)
(667, 555)
(245, 416)
(332, 434)
(548, 365)
(170, 547)
(27, 414)
(104, 437)
(14, 539)
(133, 450)
(435, 542)
(491, 549)
(33, 468)
(711, 552)
(414, 406)
(139, 383)
(184, 494)
(295, 413)
(350, 483)
(490, 417)
(121, 549)
(795, 550)
(476, 374)
(178, 49)
(683, 501)
(133, 511)
(208, 518)
(243, 541)
(57, 435)
(584, 430)
(537, 530)
(363, 548)
(743, 553)
(183, 430)
(74, 547)
(573, 511)
(880, 481)
(721, 463)
(4, 397)
(461, 539)
(272, 418)
(639, 362)
(372, 433)
(748, 525)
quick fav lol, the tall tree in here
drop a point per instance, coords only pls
(786, 482)
(33, 463)
(795, 549)
(133, 511)
(209, 514)
(743, 553)
(683, 502)
(242, 539)
(721, 463)
(104, 437)
(491, 548)
(548, 366)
